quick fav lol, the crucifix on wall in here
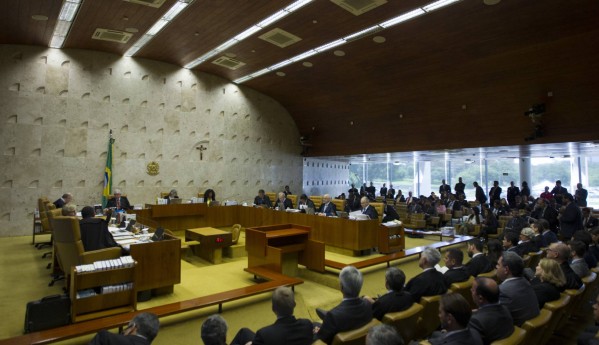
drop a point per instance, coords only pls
(202, 149)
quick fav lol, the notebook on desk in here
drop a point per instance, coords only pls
(175, 201)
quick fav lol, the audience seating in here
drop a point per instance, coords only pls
(491, 274)
(498, 234)
(339, 204)
(535, 327)
(235, 231)
(516, 338)
(415, 221)
(380, 209)
(272, 196)
(575, 300)
(535, 257)
(590, 282)
(293, 199)
(464, 289)
(353, 337)
(430, 315)
(557, 308)
(406, 322)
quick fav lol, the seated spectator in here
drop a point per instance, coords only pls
(367, 209)
(454, 314)
(494, 252)
(474, 219)
(94, 231)
(548, 235)
(262, 200)
(286, 329)
(456, 272)
(430, 282)
(517, 223)
(214, 331)
(327, 208)
(353, 312)
(489, 224)
(142, 330)
(69, 210)
(491, 320)
(586, 238)
(587, 337)
(526, 245)
(510, 241)
(549, 281)
(479, 263)
(515, 292)
(63, 200)
(395, 299)
(578, 265)
(383, 335)
(560, 252)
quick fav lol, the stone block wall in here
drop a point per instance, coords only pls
(57, 107)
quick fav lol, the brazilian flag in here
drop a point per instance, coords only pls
(108, 173)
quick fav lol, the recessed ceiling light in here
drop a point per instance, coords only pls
(39, 17)
(125, 18)
(379, 39)
(315, 21)
(196, 33)
(307, 64)
(231, 55)
(339, 53)
(491, 2)
(281, 74)
(132, 30)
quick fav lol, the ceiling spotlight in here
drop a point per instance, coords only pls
(491, 2)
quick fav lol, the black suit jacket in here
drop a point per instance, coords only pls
(125, 205)
(573, 281)
(550, 215)
(520, 299)
(492, 322)
(262, 201)
(95, 234)
(349, 314)
(466, 336)
(456, 275)
(570, 221)
(546, 292)
(329, 210)
(512, 192)
(286, 330)
(524, 248)
(59, 203)
(391, 302)
(107, 338)
(479, 264)
(549, 237)
(371, 212)
(494, 194)
(480, 195)
(459, 188)
(287, 203)
(444, 188)
(428, 283)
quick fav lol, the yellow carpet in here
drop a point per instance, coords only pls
(25, 278)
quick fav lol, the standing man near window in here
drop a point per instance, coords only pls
(459, 187)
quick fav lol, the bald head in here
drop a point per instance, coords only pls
(326, 198)
(485, 291)
(559, 252)
(364, 202)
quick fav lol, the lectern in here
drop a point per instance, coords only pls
(281, 247)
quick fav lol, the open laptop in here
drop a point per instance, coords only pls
(342, 214)
(175, 201)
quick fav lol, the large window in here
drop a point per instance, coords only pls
(545, 171)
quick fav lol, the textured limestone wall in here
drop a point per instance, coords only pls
(323, 176)
(57, 107)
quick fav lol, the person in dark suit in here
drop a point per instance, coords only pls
(588, 221)
(491, 320)
(459, 187)
(390, 213)
(214, 330)
(94, 231)
(367, 209)
(454, 314)
(457, 272)
(526, 244)
(286, 329)
(305, 203)
(494, 192)
(142, 330)
(580, 196)
(327, 208)
(396, 299)
(63, 200)
(444, 188)
(119, 202)
(353, 312)
(391, 192)
(547, 212)
(262, 200)
(370, 191)
(400, 197)
(512, 192)
(548, 282)
(283, 203)
(479, 263)
(430, 282)
(383, 190)
(383, 335)
(560, 252)
(353, 190)
(578, 264)
(287, 191)
(571, 220)
(548, 236)
(558, 189)
(479, 193)
(515, 291)
(171, 195)
(525, 190)
(587, 337)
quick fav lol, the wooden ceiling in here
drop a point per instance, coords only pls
(461, 76)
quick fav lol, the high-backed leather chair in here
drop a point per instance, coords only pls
(590, 283)
(516, 338)
(463, 288)
(491, 274)
(317, 200)
(380, 209)
(405, 322)
(535, 327)
(67, 241)
(535, 257)
(339, 204)
(235, 231)
(430, 315)
(356, 336)
(293, 199)
(557, 308)
(576, 298)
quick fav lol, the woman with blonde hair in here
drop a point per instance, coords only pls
(549, 281)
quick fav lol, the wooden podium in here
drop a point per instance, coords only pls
(281, 247)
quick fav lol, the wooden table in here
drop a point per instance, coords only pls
(212, 241)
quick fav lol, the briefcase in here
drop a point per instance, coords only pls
(49, 312)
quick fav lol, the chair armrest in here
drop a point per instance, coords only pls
(101, 254)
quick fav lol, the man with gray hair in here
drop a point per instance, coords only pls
(353, 312)
(396, 299)
(69, 210)
(286, 330)
(141, 331)
(327, 208)
(383, 335)
(430, 282)
(214, 331)
(119, 202)
(65, 199)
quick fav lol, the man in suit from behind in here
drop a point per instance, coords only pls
(119, 202)
(479, 193)
(214, 330)
(396, 299)
(459, 187)
(580, 195)
(367, 209)
(491, 320)
(457, 272)
(65, 199)
(571, 220)
(94, 231)
(515, 292)
(430, 282)
(512, 192)
(286, 329)
(327, 208)
(353, 312)
(142, 330)
(383, 335)
(479, 262)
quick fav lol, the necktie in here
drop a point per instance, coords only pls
(118, 204)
